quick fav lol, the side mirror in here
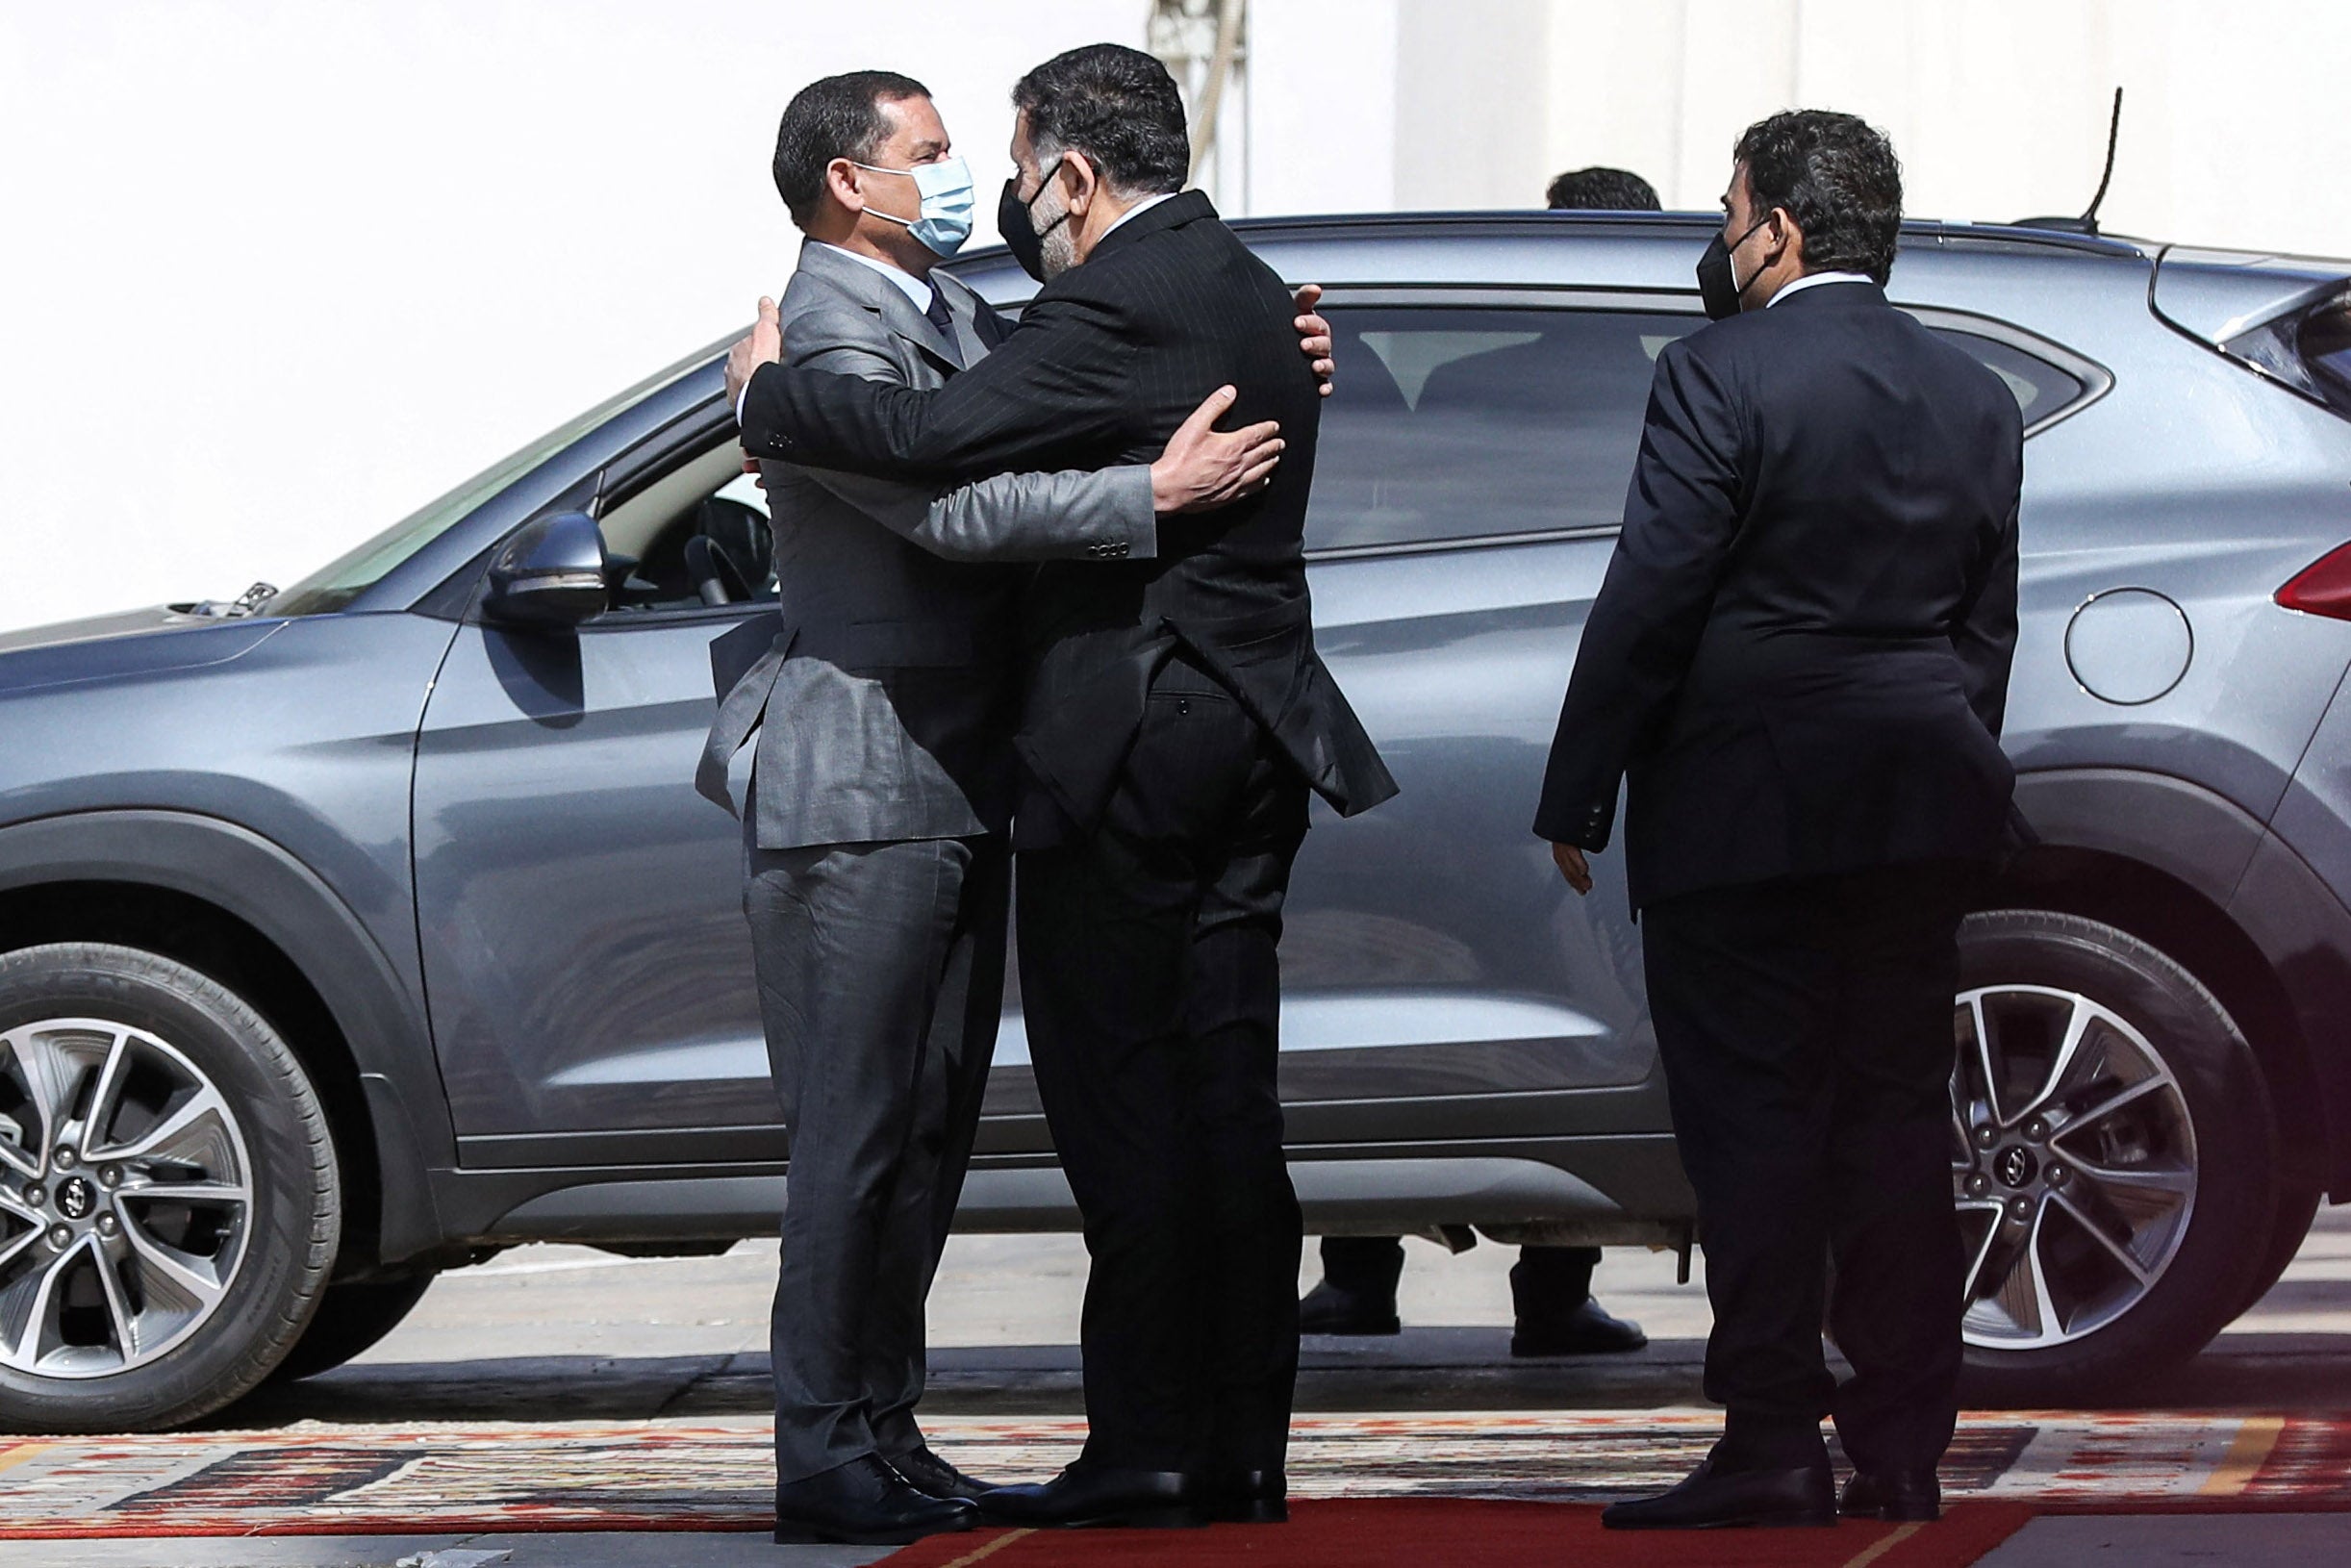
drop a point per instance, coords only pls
(550, 574)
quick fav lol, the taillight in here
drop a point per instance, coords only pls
(2323, 588)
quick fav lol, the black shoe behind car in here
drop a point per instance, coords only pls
(1086, 1496)
(1330, 1309)
(1715, 1499)
(1900, 1496)
(1586, 1331)
(863, 1503)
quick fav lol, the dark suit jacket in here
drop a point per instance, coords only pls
(1799, 655)
(882, 688)
(1104, 365)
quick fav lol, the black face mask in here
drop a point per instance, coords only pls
(1020, 231)
(1718, 285)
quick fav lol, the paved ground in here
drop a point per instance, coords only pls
(551, 1335)
(567, 1332)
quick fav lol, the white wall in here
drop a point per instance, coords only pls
(272, 272)
(2234, 131)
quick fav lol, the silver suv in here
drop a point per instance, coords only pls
(353, 932)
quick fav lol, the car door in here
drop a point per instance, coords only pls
(1439, 979)
(586, 963)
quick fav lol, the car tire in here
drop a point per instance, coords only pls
(182, 1259)
(2144, 1157)
(2289, 1226)
(352, 1319)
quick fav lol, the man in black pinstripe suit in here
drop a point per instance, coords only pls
(1175, 720)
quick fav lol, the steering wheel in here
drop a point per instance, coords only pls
(727, 556)
(716, 577)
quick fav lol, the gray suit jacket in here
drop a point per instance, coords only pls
(884, 698)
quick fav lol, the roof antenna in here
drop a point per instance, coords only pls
(2087, 222)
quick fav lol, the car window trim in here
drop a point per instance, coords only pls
(2096, 378)
(1540, 295)
(685, 615)
(1467, 542)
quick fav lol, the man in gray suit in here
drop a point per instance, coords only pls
(877, 878)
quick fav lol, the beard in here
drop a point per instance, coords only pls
(1057, 247)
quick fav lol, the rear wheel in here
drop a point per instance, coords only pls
(2112, 1158)
(169, 1206)
(352, 1319)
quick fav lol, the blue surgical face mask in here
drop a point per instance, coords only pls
(944, 219)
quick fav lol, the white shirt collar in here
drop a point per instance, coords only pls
(1809, 279)
(1143, 206)
(918, 290)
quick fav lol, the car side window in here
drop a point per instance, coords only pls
(1473, 421)
(695, 534)
(2040, 388)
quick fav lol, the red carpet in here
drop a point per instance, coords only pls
(1433, 1532)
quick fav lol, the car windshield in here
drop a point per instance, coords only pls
(345, 578)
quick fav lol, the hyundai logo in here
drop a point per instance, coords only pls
(75, 1199)
(2017, 1166)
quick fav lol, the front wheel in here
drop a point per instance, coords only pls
(169, 1206)
(2112, 1158)
(352, 1319)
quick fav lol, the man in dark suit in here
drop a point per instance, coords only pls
(1175, 720)
(878, 879)
(1797, 662)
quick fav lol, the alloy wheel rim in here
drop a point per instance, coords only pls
(126, 1198)
(2073, 1165)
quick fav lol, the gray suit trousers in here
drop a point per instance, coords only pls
(881, 973)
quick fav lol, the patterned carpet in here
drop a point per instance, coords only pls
(715, 1474)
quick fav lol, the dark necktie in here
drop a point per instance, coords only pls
(938, 315)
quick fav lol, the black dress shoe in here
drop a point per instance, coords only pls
(1244, 1497)
(926, 1472)
(1896, 1494)
(1714, 1499)
(1334, 1309)
(1086, 1495)
(1588, 1331)
(863, 1503)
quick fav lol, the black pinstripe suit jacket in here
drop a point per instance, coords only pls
(1104, 365)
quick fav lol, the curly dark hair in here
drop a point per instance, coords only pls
(1601, 189)
(1117, 106)
(840, 117)
(1838, 178)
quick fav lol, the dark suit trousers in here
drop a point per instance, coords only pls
(1152, 997)
(1804, 1024)
(881, 972)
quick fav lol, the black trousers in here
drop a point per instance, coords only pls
(882, 975)
(1152, 1000)
(1805, 1025)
